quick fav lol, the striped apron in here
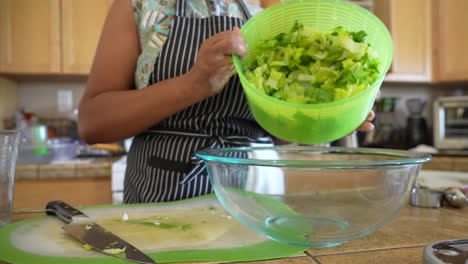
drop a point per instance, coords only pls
(160, 163)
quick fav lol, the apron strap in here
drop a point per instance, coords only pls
(180, 7)
(219, 142)
(198, 166)
(244, 9)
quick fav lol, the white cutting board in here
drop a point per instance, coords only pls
(213, 235)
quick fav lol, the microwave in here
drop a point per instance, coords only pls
(451, 122)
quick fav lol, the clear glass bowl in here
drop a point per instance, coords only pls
(314, 197)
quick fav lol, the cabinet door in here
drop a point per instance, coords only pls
(8, 100)
(410, 23)
(82, 22)
(29, 36)
(452, 40)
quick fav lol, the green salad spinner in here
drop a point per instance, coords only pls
(313, 123)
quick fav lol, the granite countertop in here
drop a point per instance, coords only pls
(102, 167)
(79, 168)
(402, 240)
(451, 163)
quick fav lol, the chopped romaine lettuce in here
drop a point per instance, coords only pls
(88, 247)
(114, 251)
(159, 224)
(307, 66)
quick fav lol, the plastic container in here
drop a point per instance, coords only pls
(56, 150)
(313, 123)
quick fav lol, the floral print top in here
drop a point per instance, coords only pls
(154, 19)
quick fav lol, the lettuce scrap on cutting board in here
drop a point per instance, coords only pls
(310, 67)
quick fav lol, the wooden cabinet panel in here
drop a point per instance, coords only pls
(29, 36)
(8, 100)
(82, 22)
(410, 23)
(430, 39)
(452, 40)
(35, 194)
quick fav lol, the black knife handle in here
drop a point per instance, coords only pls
(62, 210)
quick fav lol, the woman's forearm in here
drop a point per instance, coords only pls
(115, 115)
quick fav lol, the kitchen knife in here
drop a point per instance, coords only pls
(84, 229)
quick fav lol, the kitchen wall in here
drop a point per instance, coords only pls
(424, 91)
(42, 97)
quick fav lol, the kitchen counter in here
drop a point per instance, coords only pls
(102, 168)
(81, 182)
(73, 169)
(400, 241)
(450, 163)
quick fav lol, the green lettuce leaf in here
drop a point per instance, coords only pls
(309, 67)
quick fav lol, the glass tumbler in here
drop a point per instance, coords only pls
(9, 141)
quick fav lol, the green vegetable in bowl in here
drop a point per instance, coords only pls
(309, 67)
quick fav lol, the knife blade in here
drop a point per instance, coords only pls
(84, 229)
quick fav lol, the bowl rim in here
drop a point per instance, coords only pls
(407, 157)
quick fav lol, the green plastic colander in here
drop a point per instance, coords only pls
(313, 123)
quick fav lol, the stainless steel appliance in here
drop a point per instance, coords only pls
(451, 123)
(416, 127)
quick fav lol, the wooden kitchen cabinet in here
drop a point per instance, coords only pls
(451, 40)
(30, 36)
(35, 194)
(82, 22)
(8, 100)
(50, 36)
(430, 39)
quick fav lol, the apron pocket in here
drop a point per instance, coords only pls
(171, 165)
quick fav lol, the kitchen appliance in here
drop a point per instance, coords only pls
(84, 229)
(416, 126)
(447, 251)
(434, 198)
(386, 134)
(451, 123)
(426, 197)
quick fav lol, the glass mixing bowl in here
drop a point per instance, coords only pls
(314, 197)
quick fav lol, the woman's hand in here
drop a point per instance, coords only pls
(214, 66)
(367, 125)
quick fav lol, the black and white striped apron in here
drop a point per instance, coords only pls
(160, 164)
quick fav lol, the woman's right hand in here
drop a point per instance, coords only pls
(214, 66)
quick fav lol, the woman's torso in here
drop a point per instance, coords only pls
(154, 19)
(160, 160)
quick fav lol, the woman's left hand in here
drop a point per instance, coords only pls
(367, 125)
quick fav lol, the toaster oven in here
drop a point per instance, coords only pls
(451, 122)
